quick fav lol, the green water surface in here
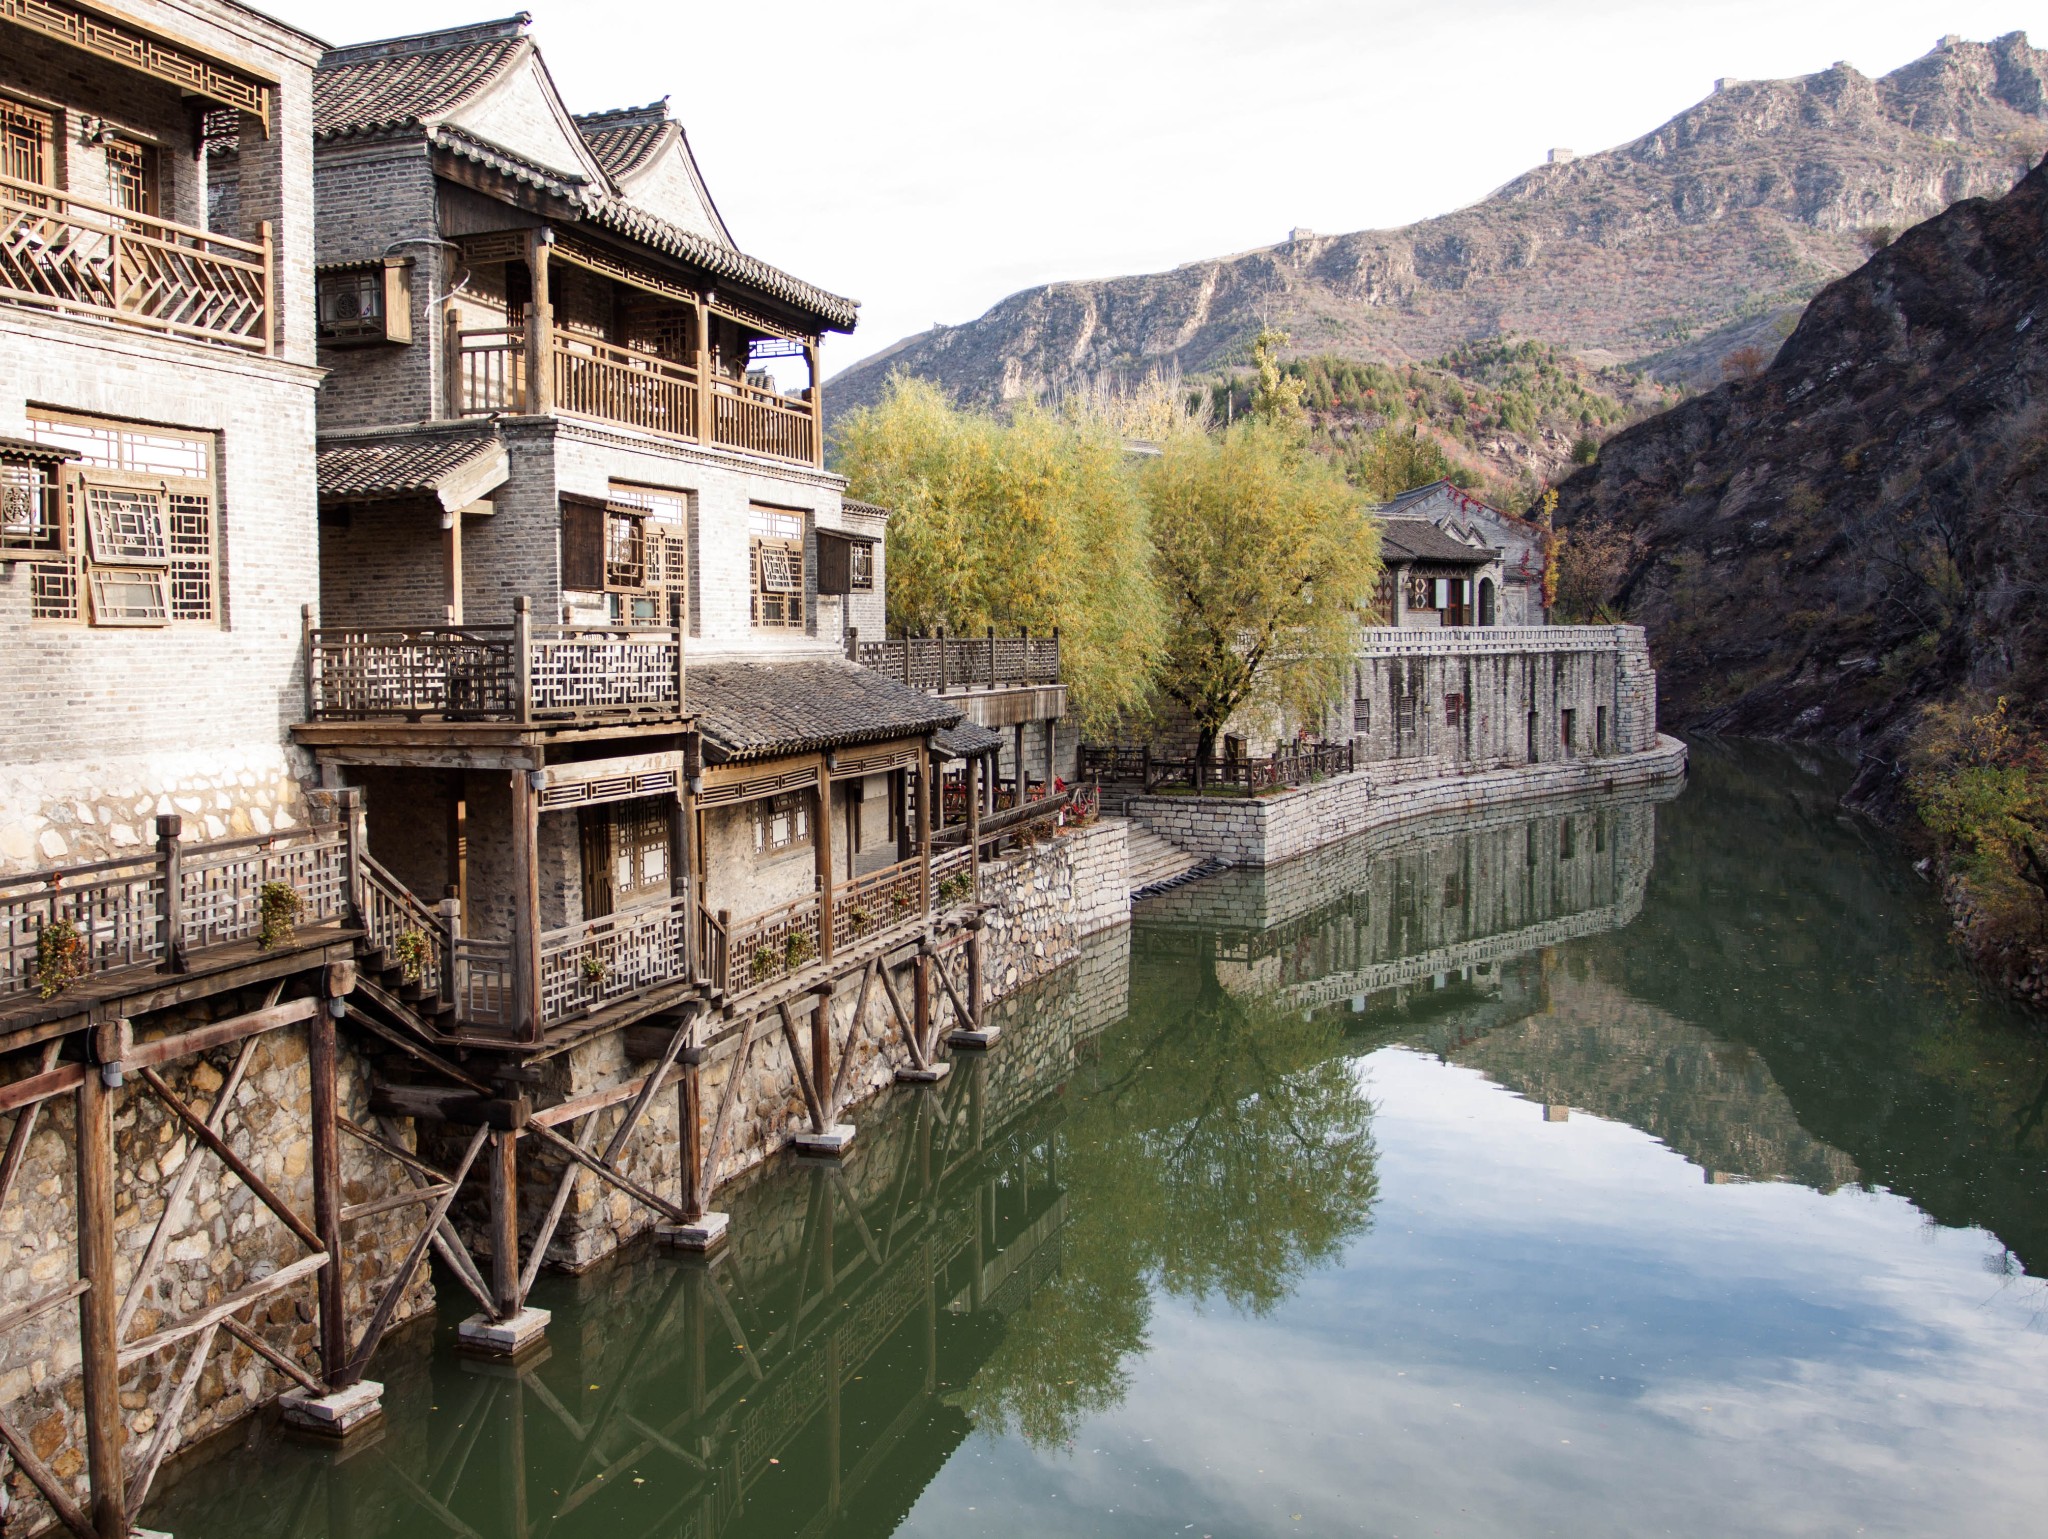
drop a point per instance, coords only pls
(1620, 1169)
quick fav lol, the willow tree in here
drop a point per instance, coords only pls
(1032, 522)
(1264, 557)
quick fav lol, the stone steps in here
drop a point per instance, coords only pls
(1156, 864)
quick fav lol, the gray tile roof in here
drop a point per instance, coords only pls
(410, 79)
(625, 136)
(837, 312)
(1417, 539)
(758, 710)
(966, 740)
(28, 451)
(366, 469)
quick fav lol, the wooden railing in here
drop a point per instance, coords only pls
(765, 946)
(1150, 770)
(85, 258)
(868, 904)
(61, 927)
(941, 663)
(481, 982)
(515, 673)
(593, 963)
(762, 422)
(1074, 804)
(486, 371)
(391, 916)
(596, 379)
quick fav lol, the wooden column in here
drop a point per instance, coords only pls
(706, 421)
(1052, 728)
(821, 847)
(540, 327)
(505, 1221)
(522, 656)
(921, 1001)
(324, 1087)
(821, 1051)
(817, 396)
(525, 905)
(924, 822)
(974, 827)
(98, 1338)
(1023, 778)
(689, 1119)
(451, 565)
(974, 996)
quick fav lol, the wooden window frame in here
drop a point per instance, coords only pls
(775, 545)
(135, 168)
(1454, 710)
(762, 813)
(31, 511)
(128, 457)
(33, 129)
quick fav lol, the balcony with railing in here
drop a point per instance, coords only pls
(519, 674)
(77, 257)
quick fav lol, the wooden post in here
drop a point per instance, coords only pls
(853, 643)
(324, 1088)
(924, 823)
(821, 1051)
(974, 1000)
(540, 327)
(974, 826)
(1055, 656)
(453, 404)
(306, 629)
(821, 850)
(994, 681)
(454, 972)
(942, 659)
(1052, 743)
(270, 284)
(451, 564)
(689, 1119)
(170, 898)
(817, 394)
(706, 407)
(921, 1001)
(522, 656)
(1023, 779)
(504, 1222)
(98, 1338)
(355, 843)
(526, 1000)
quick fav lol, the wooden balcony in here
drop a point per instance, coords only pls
(489, 373)
(944, 664)
(72, 937)
(520, 674)
(77, 257)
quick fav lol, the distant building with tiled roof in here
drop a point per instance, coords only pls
(1474, 521)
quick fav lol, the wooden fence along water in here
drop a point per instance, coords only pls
(941, 664)
(1152, 771)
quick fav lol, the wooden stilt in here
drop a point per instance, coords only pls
(99, 1347)
(921, 1003)
(504, 1221)
(324, 1088)
(689, 1118)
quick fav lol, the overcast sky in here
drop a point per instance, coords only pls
(928, 159)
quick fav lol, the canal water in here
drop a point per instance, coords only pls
(1629, 1168)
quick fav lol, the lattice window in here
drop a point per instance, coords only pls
(782, 822)
(132, 176)
(30, 516)
(25, 139)
(136, 536)
(128, 596)
(126, 526)
(860, 558)
(777, 556)
(1361, 715)
(1454, 710)
(646, 570)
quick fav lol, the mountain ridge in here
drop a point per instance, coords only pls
(1739, 207)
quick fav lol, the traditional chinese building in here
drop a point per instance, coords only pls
(1474, 522)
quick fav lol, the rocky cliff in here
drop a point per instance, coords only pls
(1734, 211)
(1821, 550)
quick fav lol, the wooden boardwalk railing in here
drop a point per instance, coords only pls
(513, 673)
(67, 927)
(84, 258)
(939, 664)
(1152, 771)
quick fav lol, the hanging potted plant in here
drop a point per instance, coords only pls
(411, 951)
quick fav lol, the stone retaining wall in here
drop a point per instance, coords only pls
(1266, 830)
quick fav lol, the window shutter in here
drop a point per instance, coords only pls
(583, 546)
(835, 568)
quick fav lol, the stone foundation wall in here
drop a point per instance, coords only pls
(1267, 830)
(226, 1239)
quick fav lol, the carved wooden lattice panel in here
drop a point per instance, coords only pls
(585, 673)
(612, 957)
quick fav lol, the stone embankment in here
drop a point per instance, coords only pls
(1267, 830)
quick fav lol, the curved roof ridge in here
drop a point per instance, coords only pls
(394, 89)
